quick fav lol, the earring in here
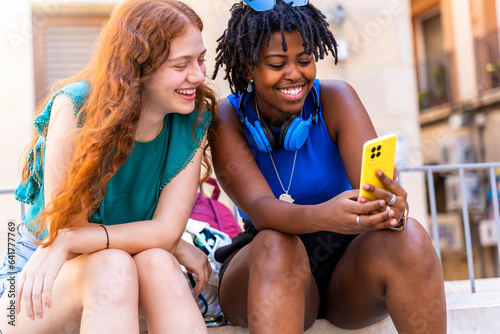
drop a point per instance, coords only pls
(249, 87)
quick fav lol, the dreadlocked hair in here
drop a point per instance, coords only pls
(239, 45)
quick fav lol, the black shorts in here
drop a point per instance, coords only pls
(324, 250)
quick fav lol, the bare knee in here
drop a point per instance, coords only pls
(158, 263)
(277, 254)
(409, 251)
(110, 277)
(416, 249)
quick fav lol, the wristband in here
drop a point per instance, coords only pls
(107, 235)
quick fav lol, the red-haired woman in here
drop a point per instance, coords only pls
(111, 178)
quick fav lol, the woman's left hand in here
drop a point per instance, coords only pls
(195, 261)
(395, 197)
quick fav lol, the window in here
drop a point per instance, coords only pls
(433, 35)
(62, 45)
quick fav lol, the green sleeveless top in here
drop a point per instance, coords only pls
(133, 192)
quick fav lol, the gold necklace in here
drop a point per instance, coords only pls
(285, 196)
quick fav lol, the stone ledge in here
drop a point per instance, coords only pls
(467, 313)
(321, 326)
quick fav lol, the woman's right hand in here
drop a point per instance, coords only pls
(341, 214)
(196, 262)
(37, 278)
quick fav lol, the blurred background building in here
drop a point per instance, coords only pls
(427, 70)
(457, 56)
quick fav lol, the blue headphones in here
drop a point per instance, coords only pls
(293, 132)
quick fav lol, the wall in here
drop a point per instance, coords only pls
(16, 102)
(483, 16)
(492, 136)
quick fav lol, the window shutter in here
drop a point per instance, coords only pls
(67, 50)
(62, 47)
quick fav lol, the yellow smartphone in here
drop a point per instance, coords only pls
(378, 153)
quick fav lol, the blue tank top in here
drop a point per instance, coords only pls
(319, 173)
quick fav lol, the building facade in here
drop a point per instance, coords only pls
(457, 56)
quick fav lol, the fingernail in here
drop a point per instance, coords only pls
(38, 315)
(31, 317)
(47, 306)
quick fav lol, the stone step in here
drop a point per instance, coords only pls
(467, 313)
(321, 326)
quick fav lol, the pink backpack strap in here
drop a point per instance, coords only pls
(215, 197)
(216, 213)
(213, 182)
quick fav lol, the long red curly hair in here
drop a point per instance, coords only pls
(133, 44)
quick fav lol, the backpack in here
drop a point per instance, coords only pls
(210, 226)
(208, 239)
(213, 212)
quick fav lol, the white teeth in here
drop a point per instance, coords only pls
(292, 92)
(186, 91)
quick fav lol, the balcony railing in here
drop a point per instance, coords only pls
(488, 61)
(434, 80)
(460, 168)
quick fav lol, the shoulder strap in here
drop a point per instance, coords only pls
(216, 213)
(215, 197)
(216, 192)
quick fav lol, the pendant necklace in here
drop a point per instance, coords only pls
(285, 196)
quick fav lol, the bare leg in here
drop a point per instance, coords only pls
(93, 293)
(165, 296)
(268, 286)
(389, 272)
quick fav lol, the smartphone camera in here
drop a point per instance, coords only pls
(376, 152)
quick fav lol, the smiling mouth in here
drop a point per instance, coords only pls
(292, 91)
(186, 91)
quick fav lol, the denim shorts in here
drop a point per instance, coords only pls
(15, 261)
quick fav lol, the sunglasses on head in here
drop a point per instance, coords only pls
(263, 5)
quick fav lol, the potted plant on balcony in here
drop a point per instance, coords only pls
(439, 83)
(423, 101)
(493, 74)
